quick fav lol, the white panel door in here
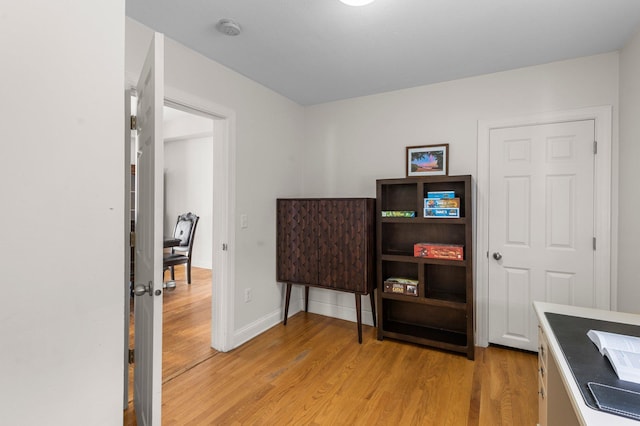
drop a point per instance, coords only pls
(148, 252)
(541, 225)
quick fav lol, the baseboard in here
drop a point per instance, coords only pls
(340, 312)
(296, 305)
(263, 324)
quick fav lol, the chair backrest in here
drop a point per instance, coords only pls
(185, 230)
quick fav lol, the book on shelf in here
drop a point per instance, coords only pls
(398, 213)
(450, 213)
(441, 194)
(438, 251)
(441, 203)
(398, 285)
(622, 351)
(401, 280)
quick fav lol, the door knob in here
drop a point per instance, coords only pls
(169, 285)
(497, 255)
(141, 289)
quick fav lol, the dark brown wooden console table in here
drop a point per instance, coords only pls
(327, 243)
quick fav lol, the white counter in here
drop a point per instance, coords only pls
(557, 410)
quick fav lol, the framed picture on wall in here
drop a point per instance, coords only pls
(428, 160)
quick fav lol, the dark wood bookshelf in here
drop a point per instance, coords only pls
(441, 315)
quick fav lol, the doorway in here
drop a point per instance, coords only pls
(215, 238)
(188, 187)
(223, 209)
(188, 177)
(604, 289)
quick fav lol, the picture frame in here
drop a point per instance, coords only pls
(428, 160)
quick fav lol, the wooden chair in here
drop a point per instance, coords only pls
(185, 230)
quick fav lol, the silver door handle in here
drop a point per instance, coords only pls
(497, 255)
(141, 289)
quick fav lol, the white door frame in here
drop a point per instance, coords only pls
(223, 238)
(605, 213)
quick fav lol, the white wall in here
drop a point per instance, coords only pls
(179, 124)
(268, 134)
(62, 171)
(351, 143)
(188, 178)
(629, 194)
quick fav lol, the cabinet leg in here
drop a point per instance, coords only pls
(286, 303)
(359, 315)
(372, 297)
(306, 298)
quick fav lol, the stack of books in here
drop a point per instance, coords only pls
(442, 204)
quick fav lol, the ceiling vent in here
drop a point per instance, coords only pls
(228, 27)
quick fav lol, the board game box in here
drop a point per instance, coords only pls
(438, 251)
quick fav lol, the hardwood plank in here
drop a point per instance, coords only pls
(313, 372)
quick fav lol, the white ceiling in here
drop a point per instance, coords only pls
(315, 51)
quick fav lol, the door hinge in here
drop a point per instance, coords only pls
(595, 147)
(131, 356)
(132, 239)
(594, 243)
(133, 123)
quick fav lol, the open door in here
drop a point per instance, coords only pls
(127, 235)
(148, 289)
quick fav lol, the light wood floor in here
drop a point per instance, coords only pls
(314, 372)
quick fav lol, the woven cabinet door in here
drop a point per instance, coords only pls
(297, 242)
(344, 244)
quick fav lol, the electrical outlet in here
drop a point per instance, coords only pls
(244, 221)
(247, 295)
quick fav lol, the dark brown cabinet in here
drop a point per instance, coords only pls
(439, 313)
(327, 243)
